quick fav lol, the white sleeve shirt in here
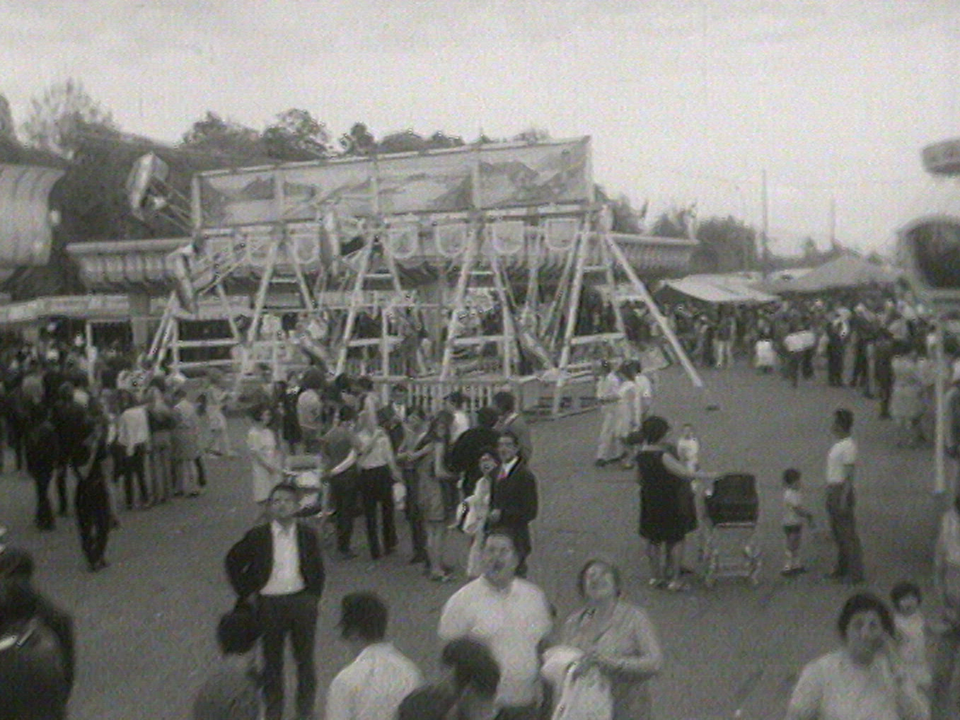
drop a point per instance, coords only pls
(285, 577)
(841, 455)
(372, 686)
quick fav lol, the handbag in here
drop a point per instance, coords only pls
(245, 617)
(584, 697)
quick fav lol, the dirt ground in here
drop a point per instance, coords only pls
(145, 625)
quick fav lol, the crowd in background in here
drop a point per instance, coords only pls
(115, 435)
(872, 343)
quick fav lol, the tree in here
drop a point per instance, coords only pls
(440, 140)
(625, 218)
(809, 251)
(670, 223)
(57, 116)
(531, 135)
(726, 245)
(7, 130)
(217, 135)
(403, 141)
(359, 141)
(296, 135)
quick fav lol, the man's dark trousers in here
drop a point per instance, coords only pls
(344, 489)
(294, 615)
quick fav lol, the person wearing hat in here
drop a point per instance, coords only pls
(380, 677)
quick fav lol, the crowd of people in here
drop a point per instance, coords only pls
(325, 451)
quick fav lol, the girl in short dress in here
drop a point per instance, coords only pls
(266, 460)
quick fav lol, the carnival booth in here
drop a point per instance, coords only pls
(462, 269)
(929, 251)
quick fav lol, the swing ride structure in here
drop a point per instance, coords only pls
(483, 266)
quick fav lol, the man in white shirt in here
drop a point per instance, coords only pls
(609, 448)
(512, 617)
(376, 682)
(841, 461)
(278, 566)
(455, 403)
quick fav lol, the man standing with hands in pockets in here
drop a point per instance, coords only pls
(278, 565)
(841, 461)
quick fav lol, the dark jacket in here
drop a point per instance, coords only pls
(250, 562)
(515, 496)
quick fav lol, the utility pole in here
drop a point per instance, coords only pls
(833, 222)
(764, 240)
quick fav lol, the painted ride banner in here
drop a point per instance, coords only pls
(479, 177)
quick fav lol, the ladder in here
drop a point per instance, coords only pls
(366, 274)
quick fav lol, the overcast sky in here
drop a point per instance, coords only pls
(686, 100)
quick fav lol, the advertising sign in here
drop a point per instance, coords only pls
(480, 177)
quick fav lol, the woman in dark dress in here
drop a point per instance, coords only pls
(665, 515)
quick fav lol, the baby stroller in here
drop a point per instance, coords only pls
(315, 506)
(732, 509)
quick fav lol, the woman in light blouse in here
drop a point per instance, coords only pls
(617, 637)
(863, 679)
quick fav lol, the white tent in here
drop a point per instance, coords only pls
(719, 289)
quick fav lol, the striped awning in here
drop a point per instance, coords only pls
(26, 231)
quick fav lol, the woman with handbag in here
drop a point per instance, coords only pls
(617, 640)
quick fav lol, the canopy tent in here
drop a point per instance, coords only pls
(718, 289)
(846, 271)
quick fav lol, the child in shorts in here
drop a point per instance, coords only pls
(794, 515)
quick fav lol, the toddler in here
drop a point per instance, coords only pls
(794, 513)
(688, 448)
(910, 626)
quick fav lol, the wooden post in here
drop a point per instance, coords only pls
(355, 298)
(509, 331)
(227, 311)
(665, 328)
(574, 302)
(261, 298)
(940, 431)
(454, 326)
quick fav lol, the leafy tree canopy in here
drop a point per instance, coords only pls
(358, 141)
(217, 135)
(296, 135)
(57, 116)
(726, 245)
(532, 134)
(7, 130)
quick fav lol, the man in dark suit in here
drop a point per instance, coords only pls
(513, 500)
(279, 566)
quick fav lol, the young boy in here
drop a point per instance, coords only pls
(794, 513)
(911, 628)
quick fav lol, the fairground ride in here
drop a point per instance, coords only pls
(476, 266)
